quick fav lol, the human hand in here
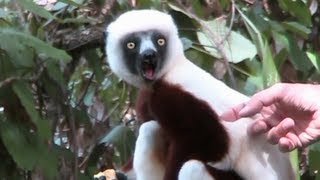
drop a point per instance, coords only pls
(290, 114)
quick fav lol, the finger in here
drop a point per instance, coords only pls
(261, 99)
(289, 142)
(286, 145)
(232, 114)
(258, 127)
(305, 139)
(280, 130)
(264, 124)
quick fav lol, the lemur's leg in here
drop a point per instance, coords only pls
(198, 170)
(194, 170)
(148, 159)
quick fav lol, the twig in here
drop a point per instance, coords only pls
(34, 78)
(226, 62)
(188, 29)
(86, 90)
(204, 45)
(72, 125)
(231, 24)
(111, 111)
(85, 160)
(9, 81)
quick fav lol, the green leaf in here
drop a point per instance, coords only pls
(314, 156)
(54, 89)
(48, 162)
(197, 7)
(298, 9)
(298, 58)
(70, 2)
(269, 70)
(297, 28)
(200, 57)
(255, 34)
(34, 8)
(280, 58)
(7, 68)
(19, 144)
(22, 90)
(20, 55)
(95, 63)
(187, 43)
(253, 84)
(23, 39)
(27, 149)
(124, 140)
(178, 9)
(315, 60)
(295, 162)
(55, 73)
(315, 147)
(257, 16)
(235, 46)
(142, 4)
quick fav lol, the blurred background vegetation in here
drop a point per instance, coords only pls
(64, 115)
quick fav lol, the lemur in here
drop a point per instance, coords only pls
(185, 138)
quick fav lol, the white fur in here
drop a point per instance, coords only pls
(252, 157)
(194, 170)
(146, 43)
(149, 143)
(139, 21)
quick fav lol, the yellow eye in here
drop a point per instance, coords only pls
(131, 45)
(161, 42)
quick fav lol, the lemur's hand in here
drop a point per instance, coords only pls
(290, 114)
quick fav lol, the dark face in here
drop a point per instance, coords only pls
(144, 53)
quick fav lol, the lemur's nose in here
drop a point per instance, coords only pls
(149, 54)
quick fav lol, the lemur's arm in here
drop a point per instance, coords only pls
(142, 106)
(150, 150)
(151, 155)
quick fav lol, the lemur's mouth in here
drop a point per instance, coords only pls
(148, 70)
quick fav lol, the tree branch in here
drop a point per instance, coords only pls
(70, 40)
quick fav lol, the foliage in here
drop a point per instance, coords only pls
(64, 115)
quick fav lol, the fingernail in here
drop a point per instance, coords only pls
(291, 146)
(286, 147)
(288, 125)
